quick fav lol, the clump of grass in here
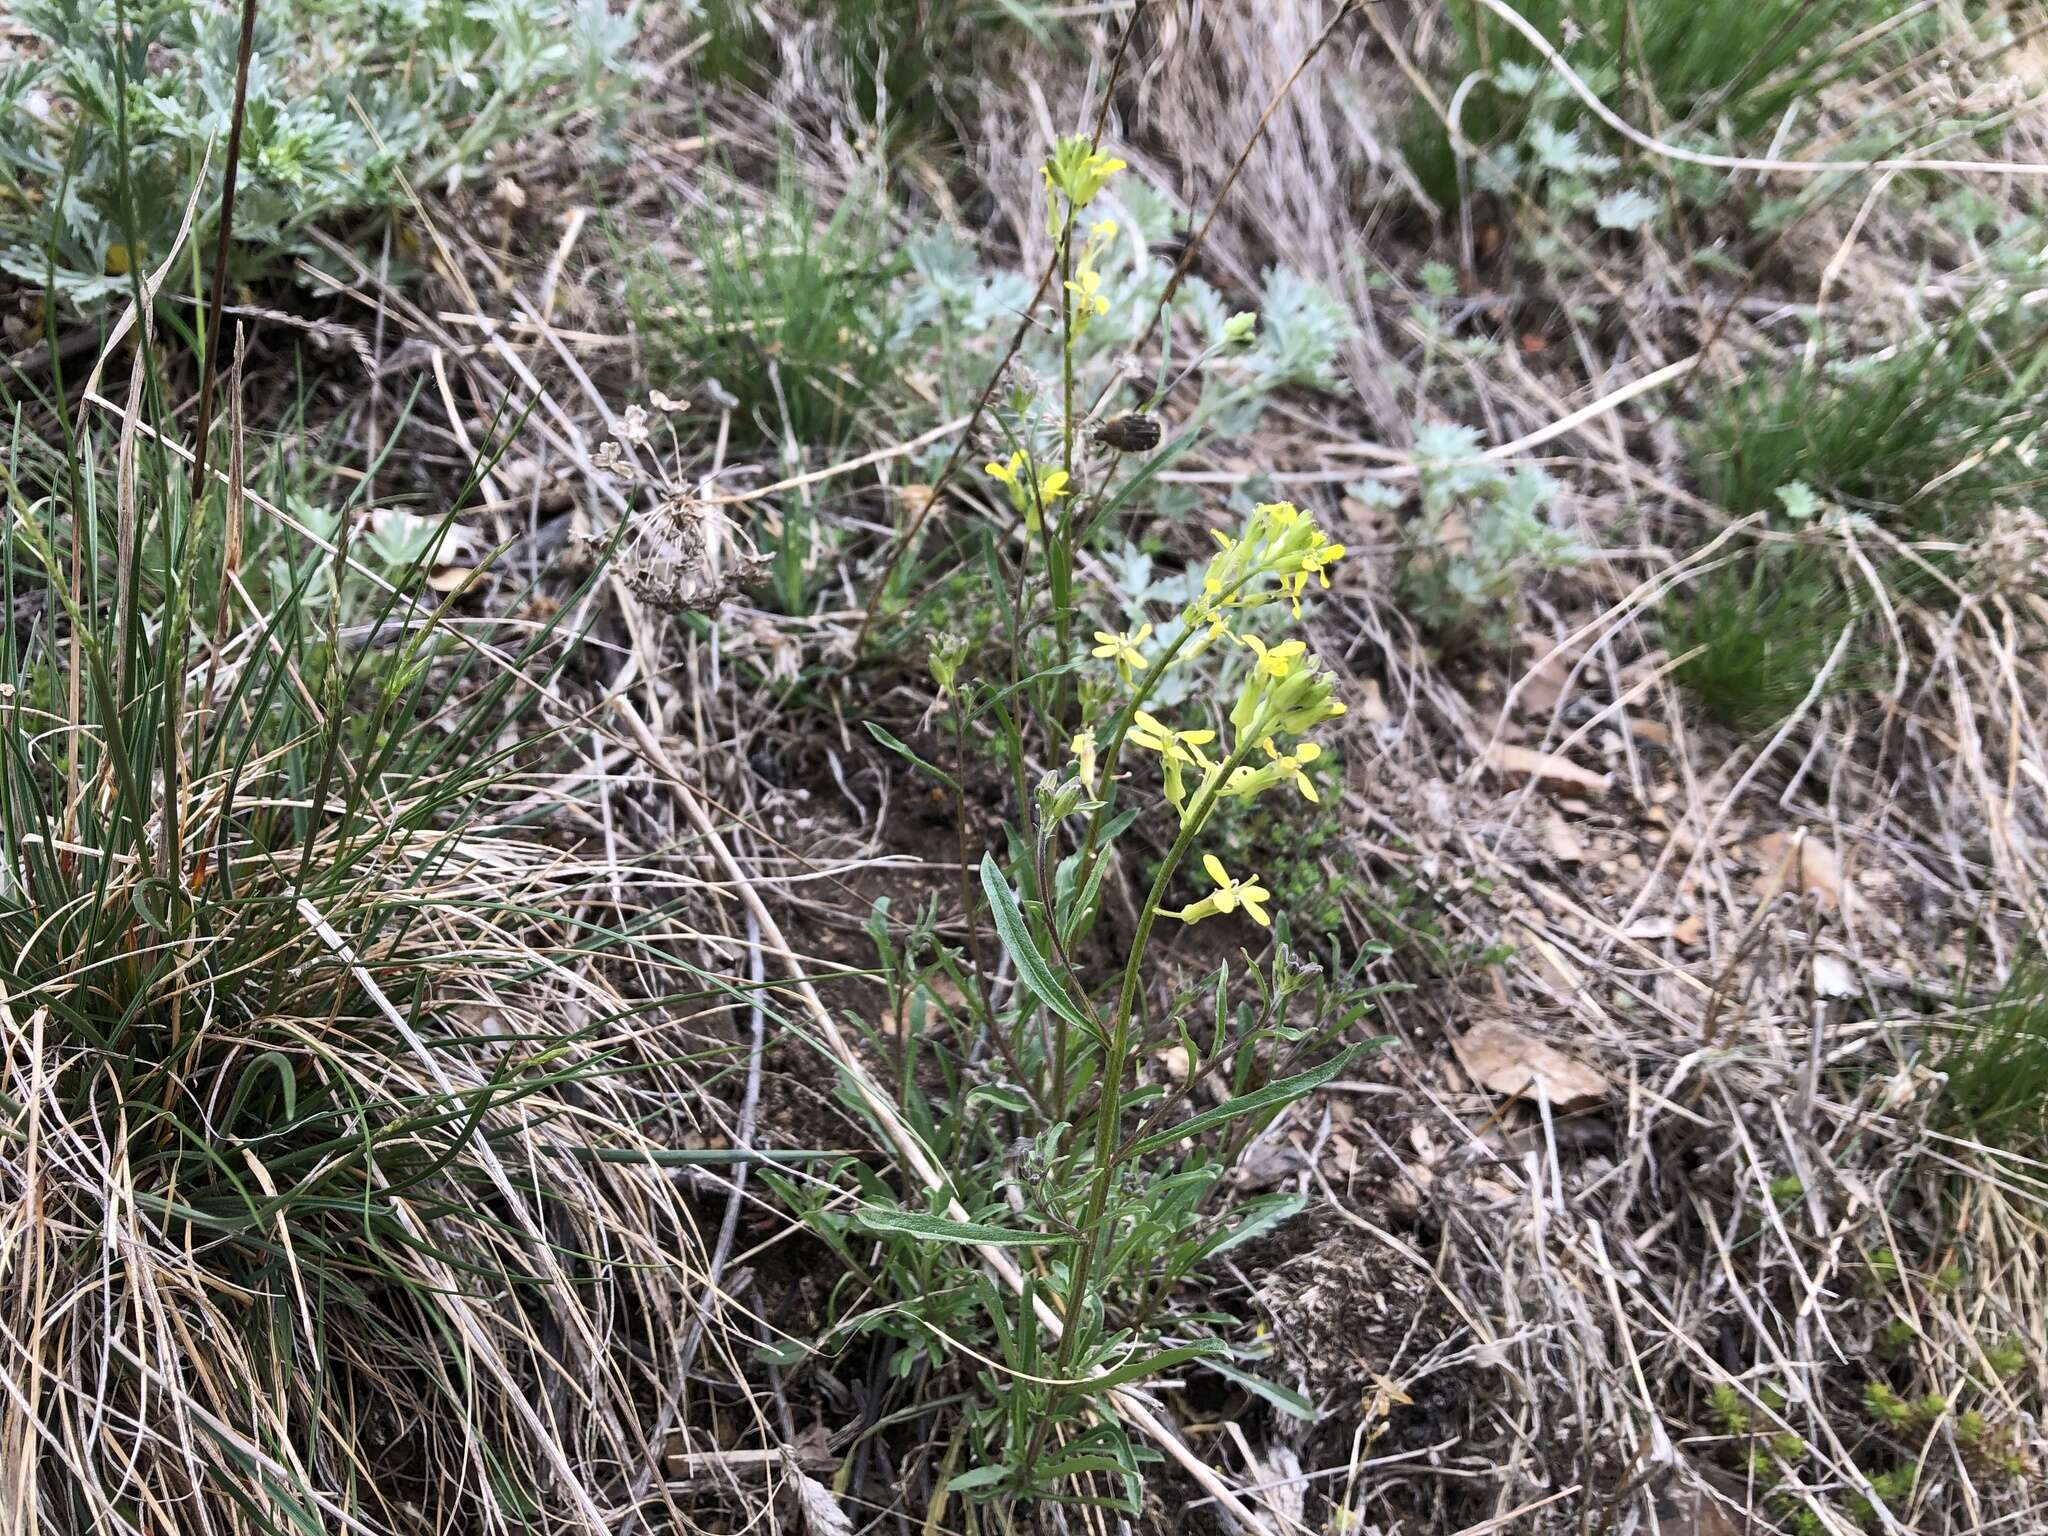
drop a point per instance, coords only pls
(1758, 630)
(315, 1218)
(785, 312)
(1922, 437)
(1726, 68)
(1921, 441)
(891, 57)
(1997, 1062)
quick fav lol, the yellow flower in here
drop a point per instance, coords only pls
(1175, 749)
(1275, 661)
(1315, 561)
(1123, 649)
(1088, 291)
(1322, 554)
(1152, 733)
(1228, 896)
(1288, 766)
(1208, 612)
(1079, 169)
(1030, 487)
(1083, 748)
(1280, 768)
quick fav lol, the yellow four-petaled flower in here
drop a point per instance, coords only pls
(1123, 649)
(1228, 896)
(1176, 749)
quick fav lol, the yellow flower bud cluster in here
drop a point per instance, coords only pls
(1286, 692)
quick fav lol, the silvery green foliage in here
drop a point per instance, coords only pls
(1551, 161)
(1294, 344)
(345, 96)
(1483, 533)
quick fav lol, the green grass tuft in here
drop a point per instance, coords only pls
(1997, 1063)
(1922, 442)
(321, 1216)
(893, 59)
(1763, 627)
(1921, 438)
(1727, 68)
(787, 310)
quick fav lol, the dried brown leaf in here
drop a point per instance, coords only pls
(1560, 775)
(1507, 1061)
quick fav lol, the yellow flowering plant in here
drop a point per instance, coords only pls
(1283, 694)
(1109, 688)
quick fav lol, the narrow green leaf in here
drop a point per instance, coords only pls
(1286, 1399)
(1261, 1216)
(977, 1477)
(1272, 1096)
(903, 751)
(983, 704)
(1152, 1365)
(1002, 1095)
(1031, 965)
(938, 1229)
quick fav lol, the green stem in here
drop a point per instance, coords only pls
(1059, 544)
(1108, 1112)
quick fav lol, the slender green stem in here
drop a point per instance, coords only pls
(1109, 1110)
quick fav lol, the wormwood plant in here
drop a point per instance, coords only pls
(1481, 536)
(1037, 1084)
(106, 121)
(783, 317)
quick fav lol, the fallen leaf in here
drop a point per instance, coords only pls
(1284, 1490)
(1562, 841)
(1543, 684)
(1372, 704)
(822, 1514)
(1505, 1060)
(1558, 774)
(1693, 1512)
(1689, 930)
(1819, 871)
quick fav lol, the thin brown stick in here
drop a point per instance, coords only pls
(995, 378)
(209, 363)
(1187, 256)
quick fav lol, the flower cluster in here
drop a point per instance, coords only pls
(1032, 487)
(1085, 286)
(1285, 693)
(1076, 171)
